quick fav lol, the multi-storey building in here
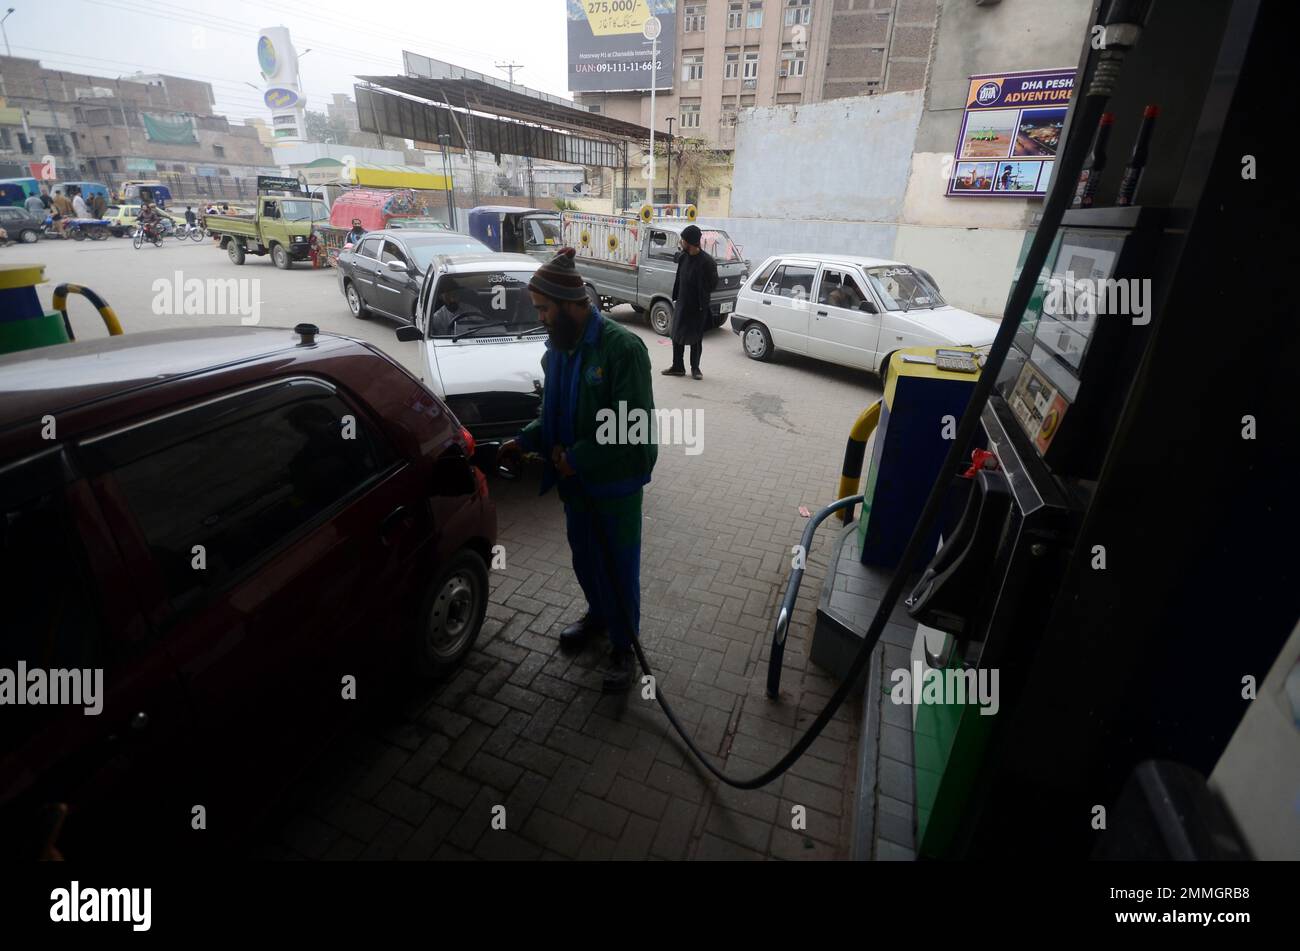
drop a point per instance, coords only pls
(110, 130)
(739, 53)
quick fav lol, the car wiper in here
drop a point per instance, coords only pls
(474, 330)
(528, 333)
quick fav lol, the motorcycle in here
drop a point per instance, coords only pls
(145, 233)
(78, 229)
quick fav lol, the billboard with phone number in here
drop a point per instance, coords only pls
(608, 51)
(1011, 133)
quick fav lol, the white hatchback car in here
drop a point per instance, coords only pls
(481, 341)
(851, 310)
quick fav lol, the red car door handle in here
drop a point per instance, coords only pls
(397, 518)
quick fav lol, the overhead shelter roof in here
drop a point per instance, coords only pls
(479, 96)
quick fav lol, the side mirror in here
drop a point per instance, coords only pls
(408, 333)
(867, 307)
(397, 266)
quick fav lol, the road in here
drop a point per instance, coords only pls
(126, 278)
(522, 724)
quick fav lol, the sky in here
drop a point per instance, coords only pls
(217, 42)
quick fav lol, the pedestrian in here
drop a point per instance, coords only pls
(97, 205)
(596, 370)
(62, 211)
(79, 204)
(697, 276)
(34, 205)
(45, 199)
(356, 234)
(191, 218)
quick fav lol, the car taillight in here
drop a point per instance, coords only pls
(470, 446)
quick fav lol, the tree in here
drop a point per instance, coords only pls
(325, 129)
(694, 164)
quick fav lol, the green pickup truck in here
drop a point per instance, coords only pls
(281, 228)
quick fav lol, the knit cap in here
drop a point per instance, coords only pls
(559, 277)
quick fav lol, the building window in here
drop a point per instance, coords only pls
(754, 18)
(218, 151)
(793, 62)
(113, 163)
(731, 66)
(798, 11)
(714, 192)
(690, 115)
(694, 18)
(692, 67)
(25, 145)
(54, 144)
(751, 65)
(735, 15)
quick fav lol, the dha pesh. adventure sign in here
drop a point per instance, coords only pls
(1011, 133)
(608, 51)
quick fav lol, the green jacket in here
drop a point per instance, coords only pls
(591, 403)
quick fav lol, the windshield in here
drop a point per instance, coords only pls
(477, 300)
(425, 249)
(302, 210)
(719, 245)
(902, 288)
(542, 231)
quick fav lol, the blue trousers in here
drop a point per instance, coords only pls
(597, 573)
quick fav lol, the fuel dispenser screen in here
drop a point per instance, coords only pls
(1055, 340)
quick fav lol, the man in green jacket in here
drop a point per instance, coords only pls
(596, 436)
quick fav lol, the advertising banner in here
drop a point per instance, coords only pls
(1011, 133)
(608, 51)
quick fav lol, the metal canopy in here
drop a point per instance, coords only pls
(478, 96)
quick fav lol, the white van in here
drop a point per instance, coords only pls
(847, 309)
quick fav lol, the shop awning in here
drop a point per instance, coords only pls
(328, 171)
(398, 176)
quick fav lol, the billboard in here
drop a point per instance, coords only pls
(282, 94)
(1011, 133)
(609, 53)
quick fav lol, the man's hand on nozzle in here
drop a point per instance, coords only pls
(510, 455)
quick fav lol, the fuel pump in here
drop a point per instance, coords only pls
(1102, 569)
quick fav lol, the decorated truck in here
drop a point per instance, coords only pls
(632, 259)
(375, 208)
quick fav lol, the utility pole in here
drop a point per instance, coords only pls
(510, 68)
(671, 120)
(651, 31)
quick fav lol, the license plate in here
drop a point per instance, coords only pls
(726, 308)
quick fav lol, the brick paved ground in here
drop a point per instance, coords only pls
(589, 777)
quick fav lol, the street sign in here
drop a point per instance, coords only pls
(651, 29)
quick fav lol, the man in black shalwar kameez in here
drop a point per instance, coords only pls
(697, 276)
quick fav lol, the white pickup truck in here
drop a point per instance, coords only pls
(630, 260)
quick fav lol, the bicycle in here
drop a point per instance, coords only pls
(193, 232)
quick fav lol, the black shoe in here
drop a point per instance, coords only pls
(618, 672)
(696, 374)
(577, 633)
(673, 371)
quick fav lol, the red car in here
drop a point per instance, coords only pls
(241, 530)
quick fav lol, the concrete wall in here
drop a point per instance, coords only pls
(827, 176)
(840, 160)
